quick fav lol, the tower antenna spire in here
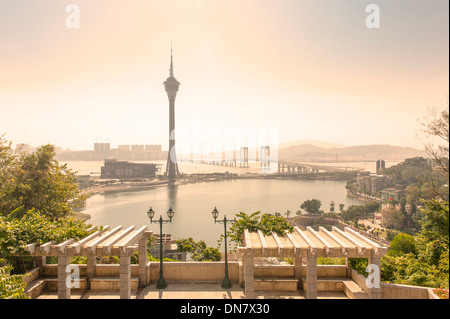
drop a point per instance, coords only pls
(171, 60)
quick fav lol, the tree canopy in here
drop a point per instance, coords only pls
(312, 206)
(36, 181)
(267, 223)
(198, 250)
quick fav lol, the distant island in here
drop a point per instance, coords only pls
(363, 153)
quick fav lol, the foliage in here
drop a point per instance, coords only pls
(392, 218)
(36, 180)
(254, 222)
(312, 206)
(330, 261)
(403, 244)
(433, 240)
(198, 250)
(332, 207)
(422, 260)
(359, 264)
(11, 286)
(353, 213)
(35, 227)
(406, 269)
(437, 126)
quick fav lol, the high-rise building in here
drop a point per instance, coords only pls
(381, 164)
(102, 147)
(171, 85)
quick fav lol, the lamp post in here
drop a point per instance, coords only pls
(226, 284)
(161, 284)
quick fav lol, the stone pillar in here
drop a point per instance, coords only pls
(90, 266)
(311, 277)
(40, 263)
(249, 276)
(143, 262)
(298, 270)
(63, 275)
(373, 280)
(349, 268)
(125, 276)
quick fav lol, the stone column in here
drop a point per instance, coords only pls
(298, 270)
(349, 268)
(125, 276)
(143, 262)
(63, 275)
(249, 276)
(311, 277)
(373, 280)
(90, 266)
(40, 263)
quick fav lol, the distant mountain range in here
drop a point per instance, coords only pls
(323, 151)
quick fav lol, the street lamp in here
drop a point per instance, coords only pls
(226, 284)
(161, 284)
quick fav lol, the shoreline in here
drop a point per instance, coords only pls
(192, 179)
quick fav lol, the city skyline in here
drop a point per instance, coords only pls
(313, 71)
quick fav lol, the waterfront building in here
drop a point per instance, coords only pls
(102, 147)
(123, 169)
(373, 183)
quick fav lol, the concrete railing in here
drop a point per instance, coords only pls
(214, 271)
(396, 291)
(195, 271)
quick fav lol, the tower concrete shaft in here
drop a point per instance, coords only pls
(171, 85)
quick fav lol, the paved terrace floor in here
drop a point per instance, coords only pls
(191, 291)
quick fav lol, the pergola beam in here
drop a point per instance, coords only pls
(130, 239)
(344, 246)
(328, 247)
(91, 246)
(359, 248)
(294, 243)
(248, 242)
(279, 244)
(46, 248)
(312, 246)
(76, 247)
(375, 246)
(263, 242)
(107, 245)
(61, 248)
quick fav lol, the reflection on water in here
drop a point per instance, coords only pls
(172, 195)
(193, 203)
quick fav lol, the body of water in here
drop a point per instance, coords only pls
(193, 204)
(94, 167)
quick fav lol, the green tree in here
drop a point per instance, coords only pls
(254, 222)
(11, 286)
(353, 213)
(371, 207)
(403, 244)
(393, 218)
(332, 207)
(312, 206)
(433, 239)
(36, 181)
(198, 250)
(34, 227)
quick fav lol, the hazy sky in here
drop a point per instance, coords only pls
(311, 69)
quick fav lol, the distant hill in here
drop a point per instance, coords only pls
(321, 144)
(308, 152)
